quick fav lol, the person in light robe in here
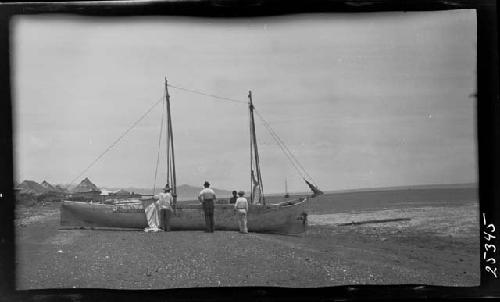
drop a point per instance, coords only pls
(152, 217)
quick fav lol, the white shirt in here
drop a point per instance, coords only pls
(206, 194)
(165, 200)
(241, 203)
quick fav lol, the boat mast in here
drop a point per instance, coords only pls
(286, 190)
(171, 177)
(254, 156)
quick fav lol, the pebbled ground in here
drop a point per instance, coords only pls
(325, 255)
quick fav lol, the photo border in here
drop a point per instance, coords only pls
(487, 138)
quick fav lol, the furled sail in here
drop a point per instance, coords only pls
(256, 190)
(314, 189)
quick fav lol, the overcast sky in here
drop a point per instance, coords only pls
(362, 100)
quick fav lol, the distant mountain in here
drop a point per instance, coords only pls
(414, 187)
(188, 192)
(85, 186)
(184, 191)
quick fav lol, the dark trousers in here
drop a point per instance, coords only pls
(208, 208)
(165, 219)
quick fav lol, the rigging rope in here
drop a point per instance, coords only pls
(284, 151)
(206, 94)
(295, 162)
(118, 139)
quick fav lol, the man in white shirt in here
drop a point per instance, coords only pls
(241, 208)
(207, 198)
(165, 205)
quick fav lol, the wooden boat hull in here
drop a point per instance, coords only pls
(284, 219)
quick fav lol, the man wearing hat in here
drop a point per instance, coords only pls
(207, 198)
(241, 208)
(165, 204)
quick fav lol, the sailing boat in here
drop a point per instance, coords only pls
(286, 190)
(286, 217)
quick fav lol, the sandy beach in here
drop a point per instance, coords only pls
(414, 244)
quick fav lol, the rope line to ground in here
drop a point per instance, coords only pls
(118, 139)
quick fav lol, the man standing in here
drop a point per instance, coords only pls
(241, 208)
(165, 204)
(207, 198)
(232, 200)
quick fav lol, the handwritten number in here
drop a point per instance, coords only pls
(491, 225)
(489, 236)
(494, 272)
(487, 246)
